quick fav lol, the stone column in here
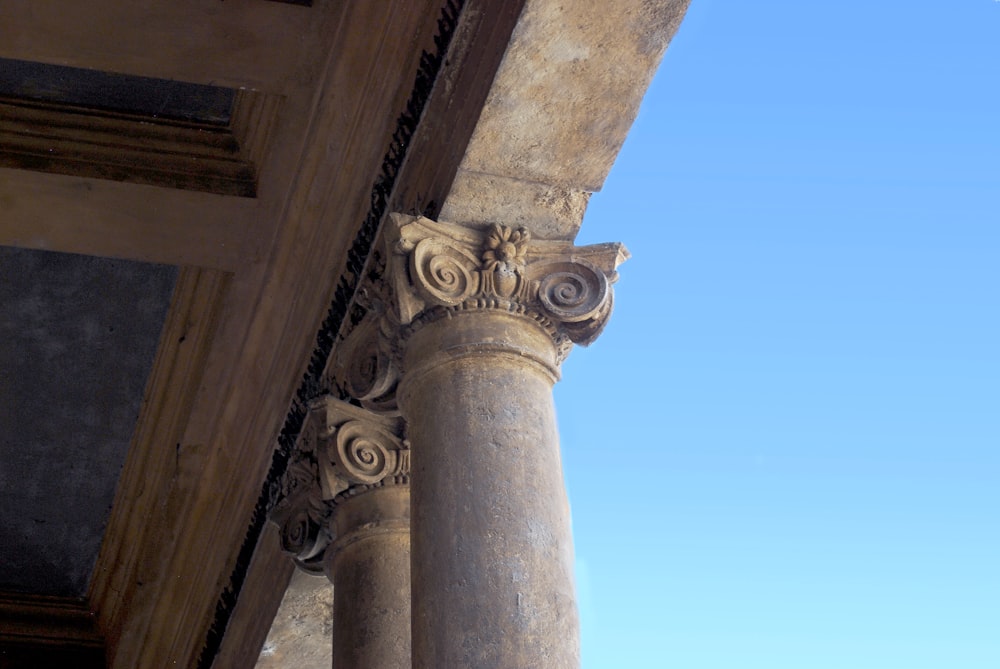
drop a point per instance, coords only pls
(482, 319)
(369, 565)
(345, 511)
(493, 552)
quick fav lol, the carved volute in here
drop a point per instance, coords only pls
(342, 451)
(432, 269)
(434, 266)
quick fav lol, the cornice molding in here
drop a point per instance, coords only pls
(41, 620)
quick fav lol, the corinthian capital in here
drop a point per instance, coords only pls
(433, 265)
(342, 451)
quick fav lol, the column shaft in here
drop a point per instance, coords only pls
(492, 564)
(369, 565)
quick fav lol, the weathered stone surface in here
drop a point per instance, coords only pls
(566, 94)
(549, 211)
(492, 544)
(301, 632)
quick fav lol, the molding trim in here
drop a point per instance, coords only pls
(41, 620)
(40, 631)
(132, 148)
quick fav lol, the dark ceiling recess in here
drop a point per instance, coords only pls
(159, 98)
(79, 336)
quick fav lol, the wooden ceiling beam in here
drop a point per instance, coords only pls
(53, 212)
(263, 46)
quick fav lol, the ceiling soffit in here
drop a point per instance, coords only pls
(80, 334)
(372, 106)
(181, 557)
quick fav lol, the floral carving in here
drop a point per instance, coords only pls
(504, 258)
(505, 249)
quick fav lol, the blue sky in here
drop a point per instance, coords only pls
(784, 451)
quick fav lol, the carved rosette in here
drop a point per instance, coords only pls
(343, 450)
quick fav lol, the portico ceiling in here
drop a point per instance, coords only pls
(187, 403)
(163, 326)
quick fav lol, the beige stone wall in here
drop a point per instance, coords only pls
(302, 629)
(560, 107)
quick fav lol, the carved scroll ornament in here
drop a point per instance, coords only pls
(435, 264)
(432, 268)
(342, 450)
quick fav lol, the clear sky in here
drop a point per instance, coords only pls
(784, 451)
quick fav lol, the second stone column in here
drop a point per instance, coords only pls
(344, 509)
(369, 566)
